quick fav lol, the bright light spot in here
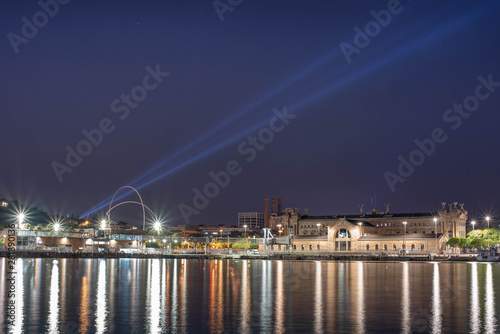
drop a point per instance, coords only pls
(103, 224)
(157, 226)
(57, 226)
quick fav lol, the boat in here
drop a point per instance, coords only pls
(489, 255)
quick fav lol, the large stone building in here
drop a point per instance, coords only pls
(375, 230)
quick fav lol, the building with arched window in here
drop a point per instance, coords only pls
(378, 231)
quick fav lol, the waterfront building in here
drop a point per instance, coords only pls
(377, 231)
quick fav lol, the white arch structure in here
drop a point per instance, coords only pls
(141, 203)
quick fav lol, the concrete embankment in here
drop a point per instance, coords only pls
(271, 256)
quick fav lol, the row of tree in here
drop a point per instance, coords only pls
(476, 239)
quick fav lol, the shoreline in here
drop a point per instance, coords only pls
(271, 256)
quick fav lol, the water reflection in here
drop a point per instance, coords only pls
(280, 301)
(361, 300)
(318, 305)
(154, 318)
(405, 300)
(490, 325)
(174, 297)
(19, 296)
(101, 308)
(436, 302)
(475, 321)
(266, 295)
(245, 299)
(54, 299)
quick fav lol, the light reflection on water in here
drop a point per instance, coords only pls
(247, 296)
(101, 305)
(405, 300)
(475, 321)
(54, 299)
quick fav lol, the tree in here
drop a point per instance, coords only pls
(37, 228)
(453, 242)
(150, 244)
(476, 243)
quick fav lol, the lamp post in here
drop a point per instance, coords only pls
(157, 226)
(435, 233)
(488, 220)
(473, 223)
(404, 235)
(20, 219)
(245, 226)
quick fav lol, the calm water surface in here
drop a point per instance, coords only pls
(250, 296)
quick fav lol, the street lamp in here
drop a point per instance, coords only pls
(488, 220)
(279, 227)
(245, 226)
(157, 226)
(404, 235)
(435, 233)
(473, 223)
(57, 226)
(103, 224)
(20, 218)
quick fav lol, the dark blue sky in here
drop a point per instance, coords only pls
(352, 120)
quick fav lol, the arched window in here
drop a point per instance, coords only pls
(367, 247)
(311, 247)
(302, 247)
(376, 247)
(394, 247)
(342, 234)
(385, 247)
(412, 247)
(422, 247)
(318, 247)
(294, 247)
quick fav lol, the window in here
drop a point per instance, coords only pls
(342, 234)
(130, 244)
(294, 247)
(423, 232)
(318, 247)
(302, 247)
(412, 247)
(399, 232)
(414, 231)
(367, 247)
(385, 247)
(376, 247)
(432, 232)
(310, 247)
(394, 247)
(422, 247)
(450, 234)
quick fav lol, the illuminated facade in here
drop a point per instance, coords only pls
(377, 231)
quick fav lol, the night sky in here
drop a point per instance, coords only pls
(349, 123)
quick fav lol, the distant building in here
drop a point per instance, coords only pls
(377, 231)
(253, 220)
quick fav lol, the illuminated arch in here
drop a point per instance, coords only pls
(142, 204)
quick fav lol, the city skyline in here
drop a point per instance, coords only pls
(318, 109)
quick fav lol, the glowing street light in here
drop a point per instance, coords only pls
(488, 220)
(245, 226)
(435, 233)
(473, 223)
(57, 227)
(20, 219)
(404, 235)
(103, 224)
(157, 226)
